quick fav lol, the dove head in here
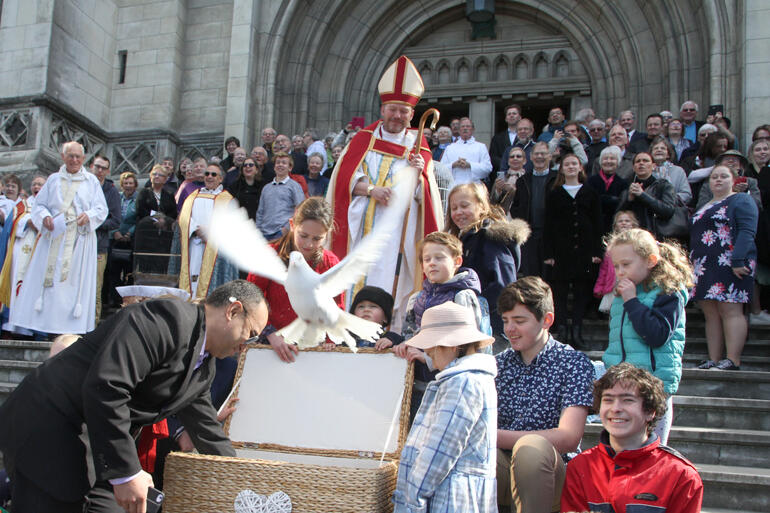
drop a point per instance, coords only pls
(297, 260)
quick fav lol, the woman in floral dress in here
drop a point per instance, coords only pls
(723, 255)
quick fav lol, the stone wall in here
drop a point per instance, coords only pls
(25, 42)
(206, 65)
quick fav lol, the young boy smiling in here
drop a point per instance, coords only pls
(278, 200)
(544, 392)
(630, 466)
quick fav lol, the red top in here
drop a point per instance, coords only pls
(281, 312)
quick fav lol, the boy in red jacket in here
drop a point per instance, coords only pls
(630, 466)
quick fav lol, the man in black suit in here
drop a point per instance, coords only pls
(146, 362)
(506, 138)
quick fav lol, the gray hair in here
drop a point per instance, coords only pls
(686, 102)
(66, 146)
(444, 129)
(313, 133)
(707, 127)
(597, 122)
(610, 150)
(624, 111)
(584, 114)
(316, 154)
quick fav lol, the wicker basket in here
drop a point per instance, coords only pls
(316, 479)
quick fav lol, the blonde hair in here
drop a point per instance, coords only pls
(629, 213)
(158, 167)
(673, 270)
(481, 195)
(126, 175)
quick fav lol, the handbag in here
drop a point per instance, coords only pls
(678, 225)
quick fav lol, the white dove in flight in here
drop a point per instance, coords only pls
(311, 294)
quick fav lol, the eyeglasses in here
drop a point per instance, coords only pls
(689, 110)
(101, 168)
(249, 164)
(210, 173)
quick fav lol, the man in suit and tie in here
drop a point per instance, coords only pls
(146, 362)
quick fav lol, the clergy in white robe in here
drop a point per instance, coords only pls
(201, 268)
(361, 186)
(19, 238)
(58, 294)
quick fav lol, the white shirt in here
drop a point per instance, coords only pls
(475, 153)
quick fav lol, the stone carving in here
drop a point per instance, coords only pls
(138, 156)
(14, 128)
(63, 130)
(205, 149)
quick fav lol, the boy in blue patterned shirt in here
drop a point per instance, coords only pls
(544, 391)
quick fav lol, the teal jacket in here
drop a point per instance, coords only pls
(652, 335)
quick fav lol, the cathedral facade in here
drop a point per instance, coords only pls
(137, 80)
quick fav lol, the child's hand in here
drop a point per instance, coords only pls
(383, 344)
(413, 354)
(400, 350)
(626, 288)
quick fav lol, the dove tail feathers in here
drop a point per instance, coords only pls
(306, 334)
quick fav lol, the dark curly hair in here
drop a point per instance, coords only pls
(649, 387)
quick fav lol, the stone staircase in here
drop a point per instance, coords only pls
(721, 418)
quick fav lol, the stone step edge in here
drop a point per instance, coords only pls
(723, 402)
(18, 364)
(7, 387)
(26, 344)
(597, 355)
(706, 434)
(738, 375)
(736, 475)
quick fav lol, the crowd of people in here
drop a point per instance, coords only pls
(513, 246)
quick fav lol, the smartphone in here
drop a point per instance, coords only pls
(154, 500)
(713, 109)
(357, 121)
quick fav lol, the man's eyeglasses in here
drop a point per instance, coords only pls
(101, 168)
(249, 164)
(210, 173)
(688, 110)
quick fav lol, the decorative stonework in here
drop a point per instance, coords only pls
(137, 157)
(15, 128)
(206, 149)
(63, 130)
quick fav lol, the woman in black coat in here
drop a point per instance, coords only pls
(652, 200)
(572, 245)
(608, 185)
(155, 198)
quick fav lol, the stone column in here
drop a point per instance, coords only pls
(756, 68)
(482, 112)
(239, 120)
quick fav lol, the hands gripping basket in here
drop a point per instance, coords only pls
(326, 430)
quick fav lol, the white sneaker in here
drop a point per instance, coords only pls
(761, 318)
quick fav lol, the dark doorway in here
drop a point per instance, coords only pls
(536, 110)
(448, 112)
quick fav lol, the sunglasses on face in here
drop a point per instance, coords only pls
(249, 164)
(210, 173)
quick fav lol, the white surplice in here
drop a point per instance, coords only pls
(67, 305)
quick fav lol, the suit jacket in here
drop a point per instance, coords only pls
(136, 368)
(497, 146)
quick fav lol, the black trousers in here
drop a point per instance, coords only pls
(27, 497)
(581, 296)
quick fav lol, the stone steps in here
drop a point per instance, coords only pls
(741, 489)
(13, 371)
(710, 446)
(693, 359)
(728, 384)
(27, 350)
(722, 412)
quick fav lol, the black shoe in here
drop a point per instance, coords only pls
(726, 364)
(706, 364)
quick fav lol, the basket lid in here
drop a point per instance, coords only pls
(334, 403)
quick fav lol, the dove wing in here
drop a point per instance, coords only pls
(237, 239)
(387, 231)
